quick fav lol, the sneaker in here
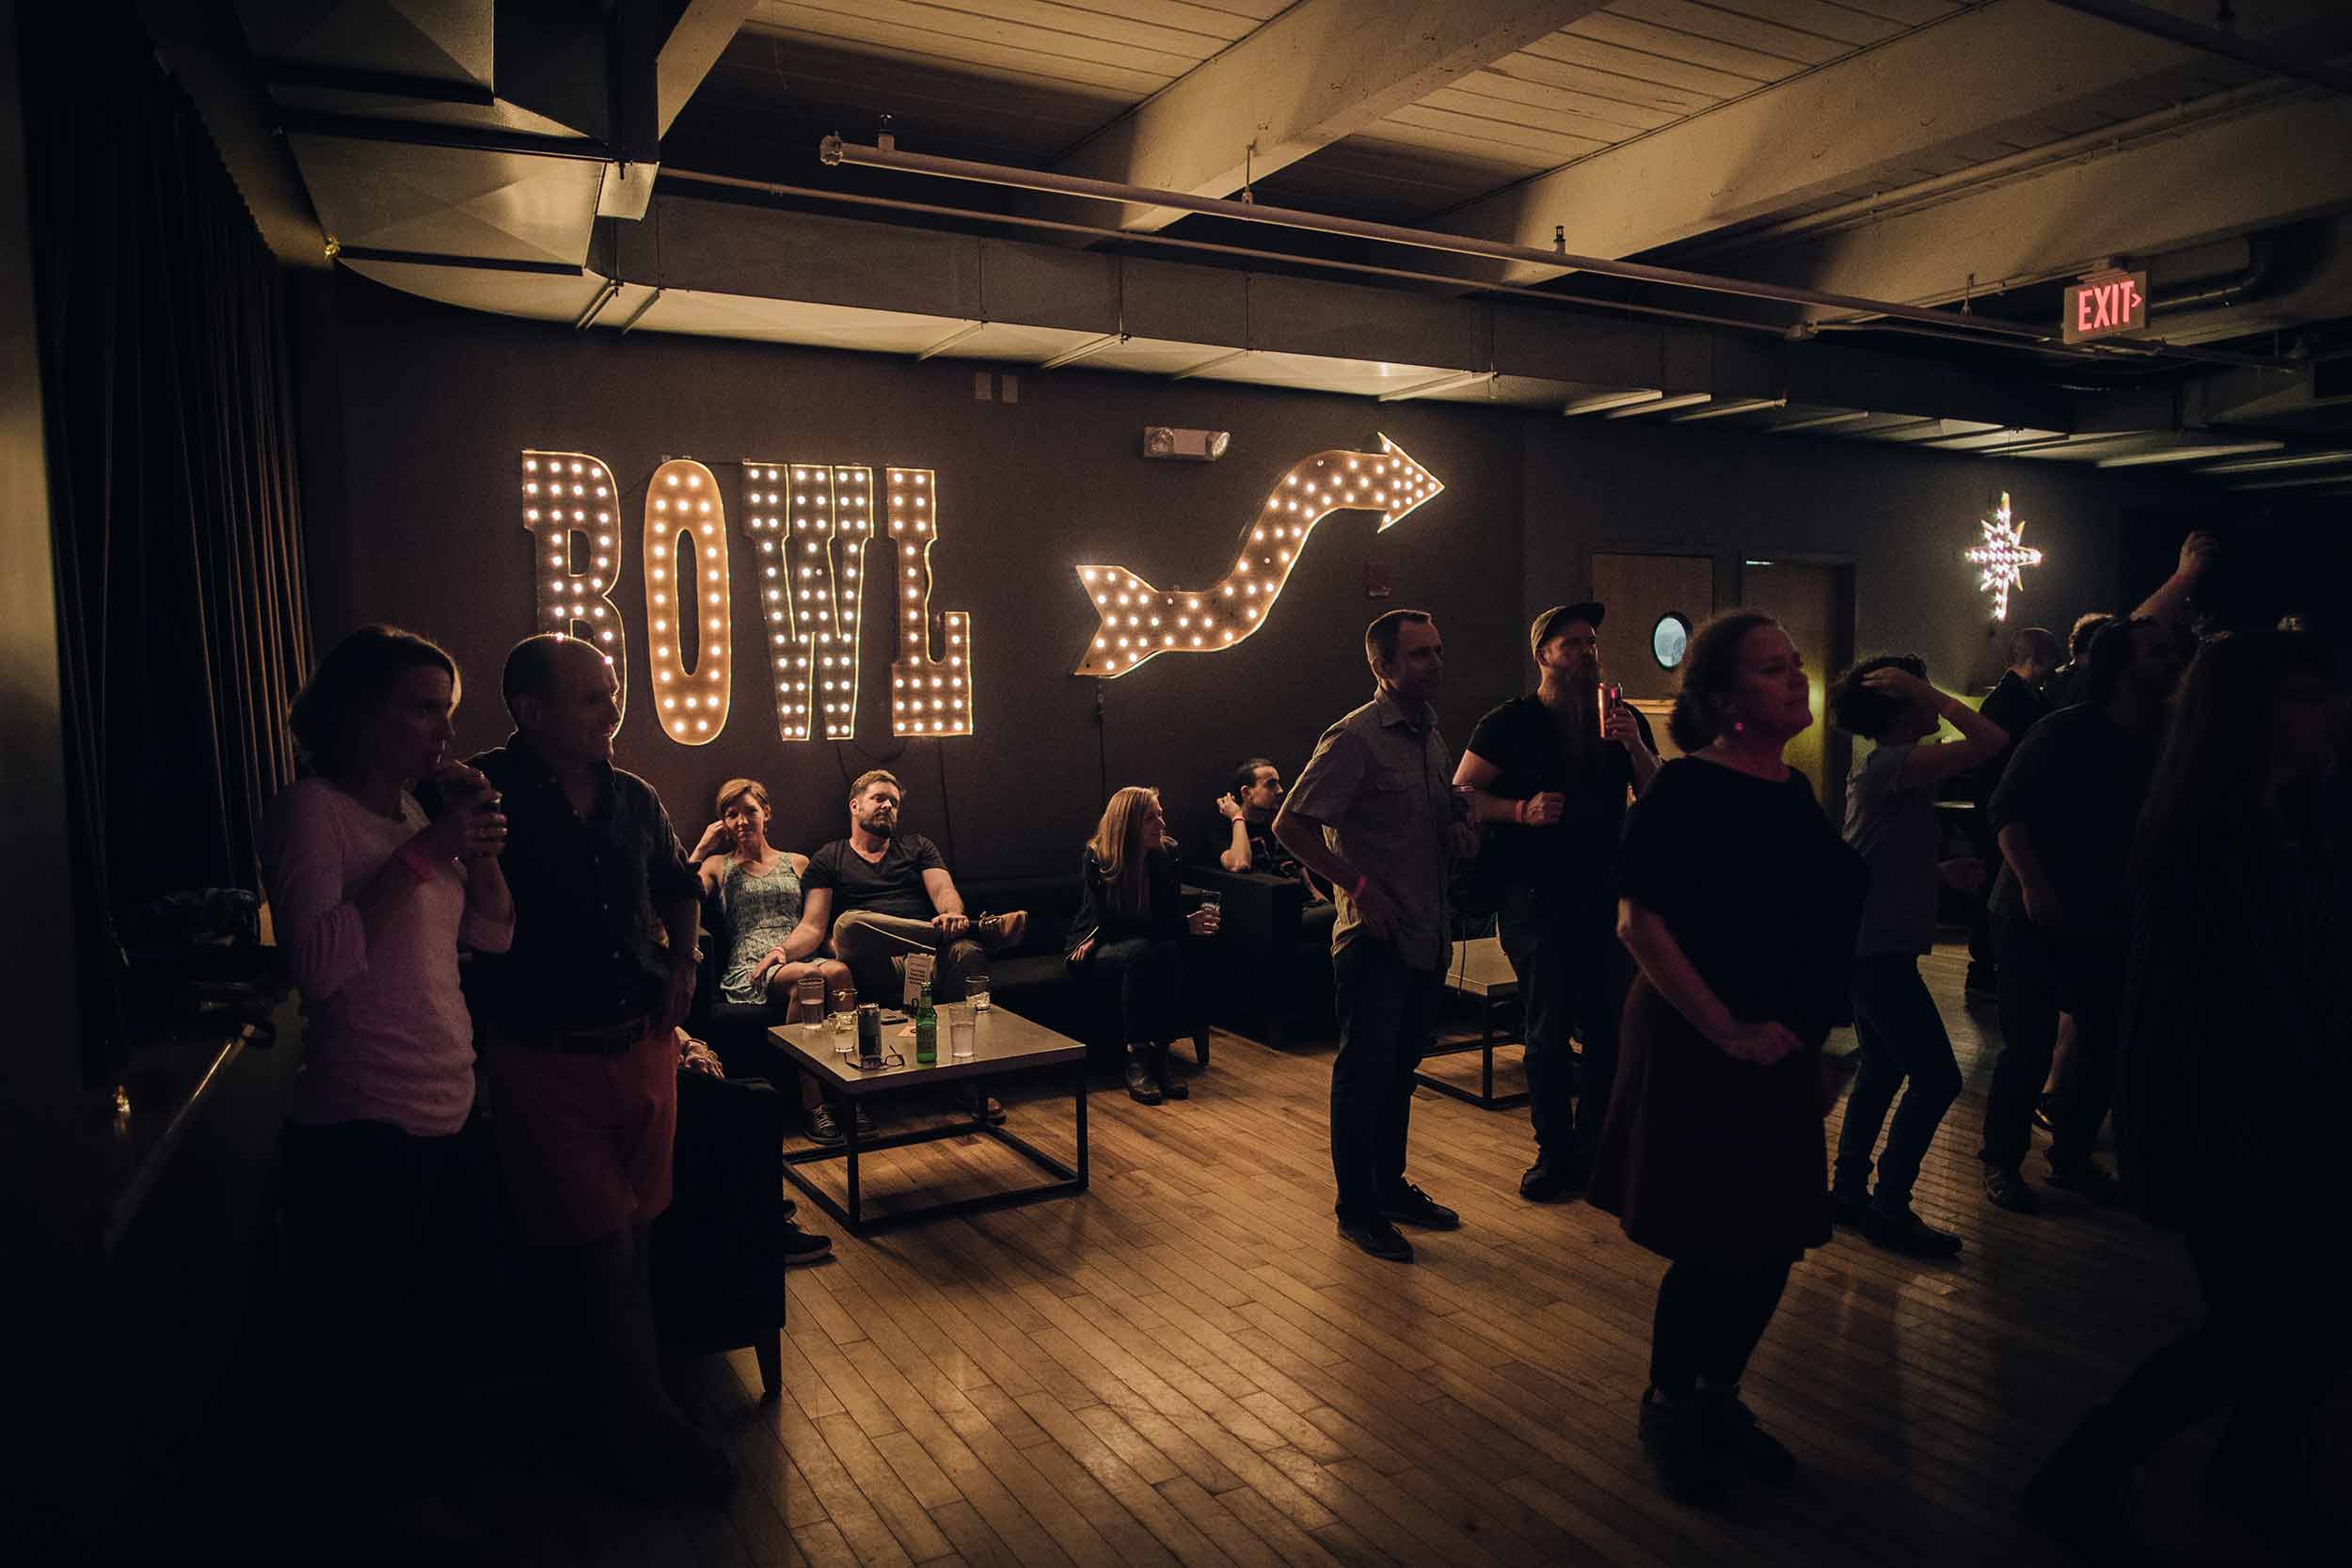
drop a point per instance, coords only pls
(1910, 1234)
(1548, 1181)
(865, 1127)
(1732, 1435)
(2088, 1178)
(1849, 1212)
(1379, 1238)
(1141, 1087)
(818, 1126)
(1674, 1441)
(1412, 1206)
(802, 1247)
(2006, 1189)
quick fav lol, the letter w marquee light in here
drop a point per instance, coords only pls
(1140, 622)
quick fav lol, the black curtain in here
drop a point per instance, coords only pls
(168, 396)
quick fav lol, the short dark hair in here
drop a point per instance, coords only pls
(1246, 776)
(2111, 653)
(530, 669)
(350, 683)
(1709, 670)
(2087, 626)
(2035, 645)
(1380, 637)
(1862, 709)
(873, 776)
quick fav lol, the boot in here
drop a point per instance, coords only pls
(1169, 1077)
(2084, 1495)
(1733, 1436)
(1673, 1439)
(1140, 1087)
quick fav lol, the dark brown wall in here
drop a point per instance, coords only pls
(418, 414)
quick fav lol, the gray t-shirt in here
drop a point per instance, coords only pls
(1895, 830)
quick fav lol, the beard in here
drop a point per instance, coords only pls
(881, 825)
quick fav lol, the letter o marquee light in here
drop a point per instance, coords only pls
(682, 501)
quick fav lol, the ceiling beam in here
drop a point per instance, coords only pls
(1320, 71)
(2223, 178)
(1932, 96)
(700, 34)
(2213, 40)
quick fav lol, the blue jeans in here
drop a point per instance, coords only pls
(1902, 1037)
(1573, 975)
(2043, 975)
(1387, 1010)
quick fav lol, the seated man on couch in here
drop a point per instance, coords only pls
(880, 896)
(1248, 805)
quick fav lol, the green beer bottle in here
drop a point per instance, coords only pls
(925, 1030)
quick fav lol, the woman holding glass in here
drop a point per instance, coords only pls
(760, 888)
(1129, 933)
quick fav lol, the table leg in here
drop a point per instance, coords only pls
(848, 1138)
(1082, 1124)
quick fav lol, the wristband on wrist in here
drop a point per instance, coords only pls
(1518, 811)
(419, 866)
(1357, 892)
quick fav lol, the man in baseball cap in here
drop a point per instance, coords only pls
(1554, 771)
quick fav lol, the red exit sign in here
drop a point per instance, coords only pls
(2103, 306)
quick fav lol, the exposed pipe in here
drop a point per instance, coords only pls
(475, 263)
(834, 150)
(2263, 256)
(2213, 40)
(466, 138)
(672, 179)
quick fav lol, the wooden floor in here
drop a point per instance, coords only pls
(1186, 1367)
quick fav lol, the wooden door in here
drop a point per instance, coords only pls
(1814, 604)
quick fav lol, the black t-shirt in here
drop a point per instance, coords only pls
(2075, 787)
(894, 886)
(1759, 890)
(1522, 741)
(2016, 707)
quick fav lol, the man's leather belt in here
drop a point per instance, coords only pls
(610, 1040)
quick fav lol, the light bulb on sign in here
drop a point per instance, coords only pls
(569, 601)
(665, 531)
(2002, 558)
(907, 521)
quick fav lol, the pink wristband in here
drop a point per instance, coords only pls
(1518, 811)
(419, 866)
(1357, 893)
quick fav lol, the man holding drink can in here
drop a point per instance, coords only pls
(1553, 772)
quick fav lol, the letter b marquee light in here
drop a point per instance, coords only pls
(568, 503)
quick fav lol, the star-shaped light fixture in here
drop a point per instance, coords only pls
(2002, 559)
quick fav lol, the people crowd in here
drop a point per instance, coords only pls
(2157, 867)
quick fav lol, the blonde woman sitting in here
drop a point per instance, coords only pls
(1129, 932)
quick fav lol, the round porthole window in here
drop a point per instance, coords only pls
(1669, 640)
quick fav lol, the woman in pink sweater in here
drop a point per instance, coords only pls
(384, 1181)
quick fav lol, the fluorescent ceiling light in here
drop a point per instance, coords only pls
(1659, 405)
(1743, 406)
(2188, 455)
(1609, 399)
(2263, 464)
(1442, 384)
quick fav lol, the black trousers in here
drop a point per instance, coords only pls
(1573, 975)
(2045, 973)
(1148, 972)
(1387, 1009)
(2270, 1350)
(1709, 1322)
(389, 1241)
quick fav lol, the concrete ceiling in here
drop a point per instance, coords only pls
(519, 157)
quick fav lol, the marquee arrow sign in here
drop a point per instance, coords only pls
(1140, 622)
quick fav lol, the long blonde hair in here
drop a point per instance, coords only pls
(1119, 850)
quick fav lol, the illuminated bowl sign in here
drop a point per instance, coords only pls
(2104, 305)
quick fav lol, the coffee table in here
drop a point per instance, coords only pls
(1480, 970)
(1004, 1042)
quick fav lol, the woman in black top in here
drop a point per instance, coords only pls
(2233, 1094)
(1740, 904)
(1129, 933)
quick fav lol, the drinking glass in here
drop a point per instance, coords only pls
(975, 992)
(1215, 903)
(808, 998)
(844, 1021)
(963, 1029)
